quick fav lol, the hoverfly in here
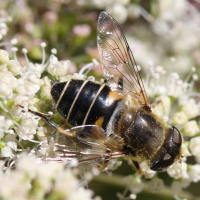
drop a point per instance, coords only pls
(112, 119)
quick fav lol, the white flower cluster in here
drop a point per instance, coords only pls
(25, 86)
(41, 181)
(134, 183)
(21, 87)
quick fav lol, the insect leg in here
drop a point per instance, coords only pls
(106, 161)
(137, 167)
(51, 123)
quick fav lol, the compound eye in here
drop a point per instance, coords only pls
(177, 138)
(163, 164)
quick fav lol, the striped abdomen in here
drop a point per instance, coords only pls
(83, 102)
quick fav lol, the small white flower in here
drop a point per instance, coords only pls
(14, 49)
(80, 194)
(194, 146)
(14, 41)
(5, 90)
(14, 67)
(4, 126)
(162, 108)
(195, 77)
(29, 84)
(73, 162)
(178, 170)
(148, 173)
(6, 152)
(12, 145)
(9, 79)
(53, 60)
(34, 67)
(46, 173)
(3, 29)
(114, 164)
(64, 179)
(133, 196)
(24, 166)
(43, 44)
(28, 126)
(134, 183)
(185, 151)
(14, 186)
(46, 93)
(190, 109)
(24, 50)
(4, 57)
(155, 185)
(42, 131)
(190, 128)
(21, 100)
(7, 83)
(34, 78)
(54, 51)
(58, 68)
(179, 118)
(45, 82)
(194, 173)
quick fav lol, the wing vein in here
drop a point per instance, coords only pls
(117, 58)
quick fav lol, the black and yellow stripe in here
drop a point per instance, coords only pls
(83, 102)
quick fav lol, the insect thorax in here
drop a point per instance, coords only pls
(142, 133)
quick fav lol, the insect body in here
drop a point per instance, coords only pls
(83, 102)
(113, 119)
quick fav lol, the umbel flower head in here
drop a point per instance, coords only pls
(42, 181)
(26, 87)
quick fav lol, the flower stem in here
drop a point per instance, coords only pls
(5, 110)
(165, 193)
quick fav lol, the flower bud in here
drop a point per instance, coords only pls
(179, 118)
(46, 93)
(155, 185)
(14, 67)
(5, 90)
(194, 146)
(4, 57)
(190, 128)
(6, 152)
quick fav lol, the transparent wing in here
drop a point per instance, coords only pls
(117, 59)
(87, 147)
